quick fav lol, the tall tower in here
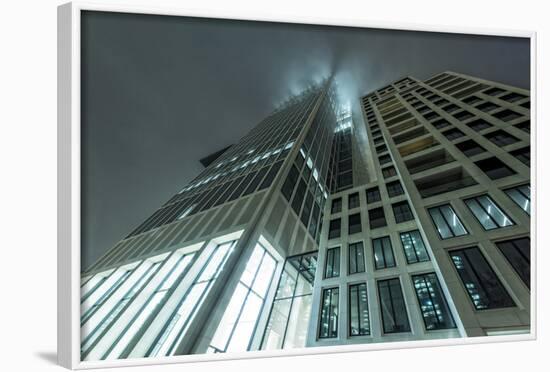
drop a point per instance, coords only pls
(320, 227)
(197, 275)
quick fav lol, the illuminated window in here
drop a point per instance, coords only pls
(190, 303)
(238, 324)
(480, 281)
(489, 215)
(521, 195)
(332, 263)
(328, 327)
(413, 246)
(290, 313)
(447, 222)
(433, 305)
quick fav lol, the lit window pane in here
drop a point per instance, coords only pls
(521, 195)
(489, 215)
(447, 222)
(433, 305)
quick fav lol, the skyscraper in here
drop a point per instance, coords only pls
(316, 229)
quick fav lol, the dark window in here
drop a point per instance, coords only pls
(290, 182)
(271, 175)
(414, 247)
(392, 306)
(354, 223)
(328, 327)
(480, 281)
(353, 200)
(377, 218)
(524, 126)
(334, 228)
(463, 115)
(479, 125)
(512, 97)
(518, 254)
(471, 100)
(402, 212)
(433, 305)
(487, 107)
(470, 148)
(488, 213)
(493, 91)
(494, 168)
(336, 206)
(383, 253)
(332, 264)
(359, 324)
(452, 134)
(450, 108)
(506, 115)
(356, 258)
(394, 188)
(373, 195)
(381, 148)
(299, 196)
(501, 138)
(384, 159)
(447, 222)
(523, 155)
(389, 172)
(441, 123)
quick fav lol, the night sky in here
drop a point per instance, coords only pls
(159, 93)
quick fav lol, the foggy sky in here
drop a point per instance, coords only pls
(159, 93)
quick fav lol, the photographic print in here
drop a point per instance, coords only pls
(253, 186)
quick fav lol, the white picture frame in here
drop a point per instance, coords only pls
(69, 186)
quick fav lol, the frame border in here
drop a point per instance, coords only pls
(69, 181)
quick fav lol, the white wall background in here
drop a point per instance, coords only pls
(28, 180)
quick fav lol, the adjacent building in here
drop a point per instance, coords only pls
(407, 220)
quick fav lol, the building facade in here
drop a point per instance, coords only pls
(407, 222)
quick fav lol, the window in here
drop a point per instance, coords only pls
(336, 206)
(441, 123)
(150, 307)
(501, 138)
(413, 246)
(523, 155)
(463, 115)
(479, 125)
(383, 253)
(384, 159)
(487, 107)
(402, 212)
(521, 195)
(289, 317)
(494, 168)
(394, 188)
(480, 281)
(354, 223)
(377, 218)
(356, 258)
(524, 126)
(489, 215)
(238, 323)
(453, 134)
(392, 305)
(518, 254)
(389, 172)
(290, 182)
(353, 200)
(433, 306)
(513, 97)
(328, 327)
(470, 148)
(506, 115)
(359, 324)
(332, 263)
(493, 91)
(447, 222)
(334, 228)
(189, 305)
(373, 195)
(93, 329)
